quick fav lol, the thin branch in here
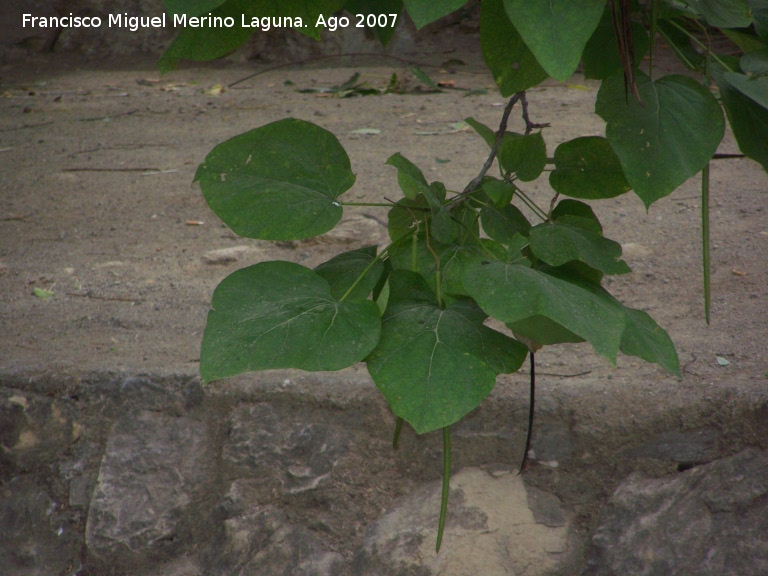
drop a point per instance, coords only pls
(529, 126)
(472, 186)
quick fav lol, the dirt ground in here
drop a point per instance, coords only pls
(97, 206)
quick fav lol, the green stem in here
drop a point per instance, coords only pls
(446, 485)
(705, 238)
(398, 429)
(700, 43)
(531, 204)
(531, 408)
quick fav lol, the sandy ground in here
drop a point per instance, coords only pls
(98, 207)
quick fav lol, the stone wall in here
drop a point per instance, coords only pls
(295, 474)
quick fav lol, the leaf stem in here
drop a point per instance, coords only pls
(701, 44)
(531, 409)
(446, 485)
(398, 429)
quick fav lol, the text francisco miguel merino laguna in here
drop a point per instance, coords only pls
(133, 23)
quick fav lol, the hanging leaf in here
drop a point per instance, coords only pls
(435, 365)
(342, 271)
(277, 182)
(484, 131)
(512, 292)
(667, 140)
(513, 65)
(577, 214)
(556, 244)
(502, 224)
(588, 168)
(724, 13)
(409, 176)
(556, 31)
(422, 13)
(644, 338)
(753, 87)
(525, 156)
(541, 331)
(207, 42)
(192, 7)
(498, 191)
(283, 315)
(748, 120)
(601, 54)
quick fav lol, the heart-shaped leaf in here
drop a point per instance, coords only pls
(644, 338)
(512, 292)
(525, 156)
(283, 315)
(513, 65)
(588, 168)
(422, 13)
(667, 139)
(435, 365)
(357, 272)
(556, 31)
(277, 182)
(409, 176)
(556, 244)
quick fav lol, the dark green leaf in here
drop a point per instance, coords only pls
(755, 88)
(282, 315)
(724, 13)
(277, 182)
(502, 224)
(755, 63)
(681, 45)
(456, 258)
(542, 331)
(556, 31)
(424, 79)
(423, 12)
(512, 64)
(498, 191)
(435, 365)
(406, 215)
(512, 292)
(192, 7)
(342, 271)
(484, 131)
(760, 15)
(578, 214)
(525, 156)
(644, 338)
(666, 140)
(209, 42)
(556, 244)
(601, 54)
(748, 120)
(409, 177)
(588, 168)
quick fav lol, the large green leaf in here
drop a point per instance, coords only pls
(435, 365)
(344, 273)
(423, 12)
(192, 7)
(748, 119)
(283, 315)
(587, 167)
(556, 244)
(277, 182)
(601, 54)
(208, 42)
(512, 292)
(525, 156)
(513, 65)
(760, 14)
(647, 340)
(502, 224)
(724, 13)
(556, 31)
(753, 87)
(667, 139)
